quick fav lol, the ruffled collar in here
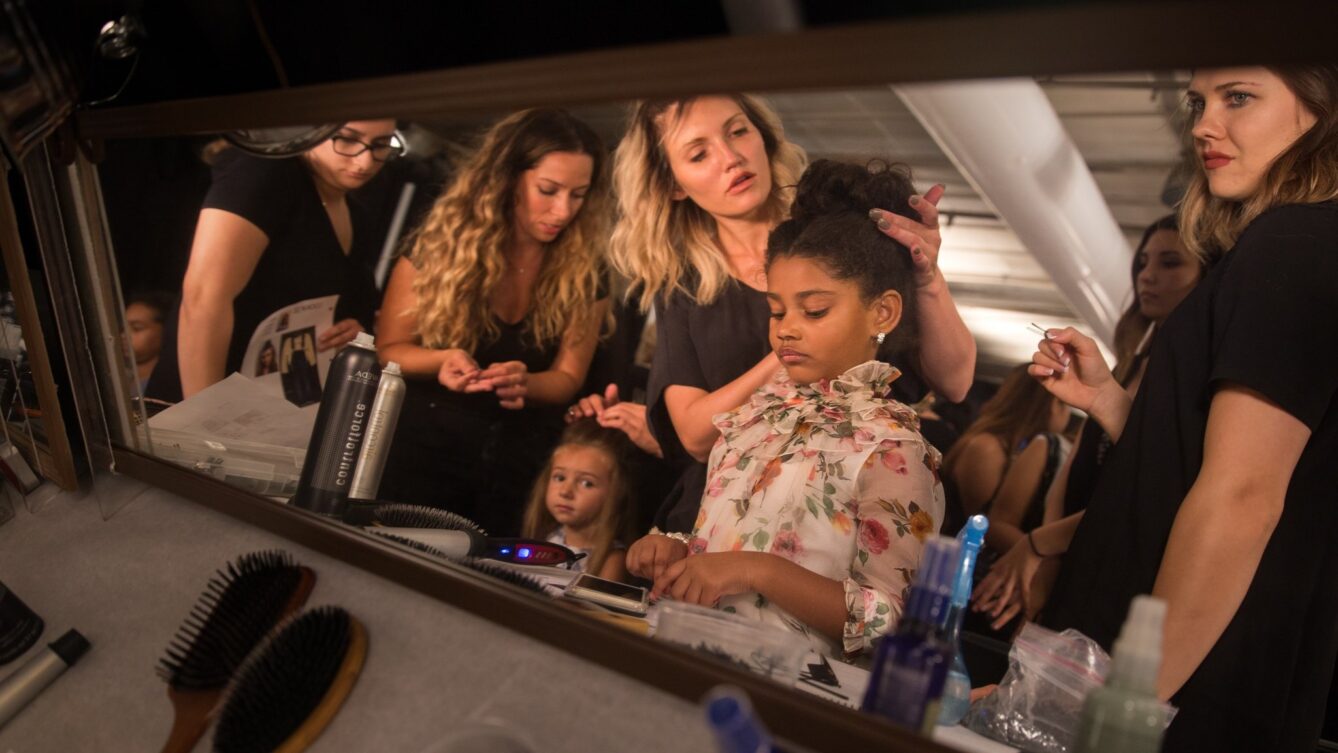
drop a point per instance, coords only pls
(842, 408)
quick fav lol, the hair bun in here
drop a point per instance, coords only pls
(830, 188)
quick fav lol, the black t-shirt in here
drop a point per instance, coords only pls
(303, 259)
(1265, 318)
(705, 347)
(1089, 454)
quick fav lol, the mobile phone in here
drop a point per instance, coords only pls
(609, 593)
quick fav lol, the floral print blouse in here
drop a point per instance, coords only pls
(835, 477)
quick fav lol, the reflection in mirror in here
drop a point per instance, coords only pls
(33, 443)
(471, 249)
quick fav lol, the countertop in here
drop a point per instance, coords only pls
(127, 584)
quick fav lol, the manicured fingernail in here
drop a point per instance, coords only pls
(875, 214)
(915, 201)
(883, 224)
(916, 251)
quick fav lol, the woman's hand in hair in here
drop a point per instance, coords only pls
(339, 334)
(650, 555)
(593, 405)
(1070, 365)
(458, 370)
(922, 237)
(630, 419)
(508, 380)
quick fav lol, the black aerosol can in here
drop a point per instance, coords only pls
(341, 424)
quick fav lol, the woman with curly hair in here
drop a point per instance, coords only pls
(701, 182)
(493, 315)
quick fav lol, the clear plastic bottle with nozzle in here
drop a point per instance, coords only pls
(1125, 715)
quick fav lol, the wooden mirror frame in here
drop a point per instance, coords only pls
(1089, 38)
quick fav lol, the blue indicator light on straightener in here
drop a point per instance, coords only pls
(523, 552)
(506, 550)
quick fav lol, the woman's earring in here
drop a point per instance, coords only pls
(880, 337)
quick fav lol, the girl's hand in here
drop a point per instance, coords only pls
(1006, 590)
(508, 380)
(922, 238)
(630, 419)
(593, 405)
(703, 579)
(651, 555)
(1069, 365)
(339, 334)
(457, 371)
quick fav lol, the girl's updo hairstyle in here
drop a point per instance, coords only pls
(829, 224)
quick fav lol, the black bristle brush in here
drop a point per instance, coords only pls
(239, 606)
(397, 515)
(289, 690)
(477, 565)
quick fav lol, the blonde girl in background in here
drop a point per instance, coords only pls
(583, 498)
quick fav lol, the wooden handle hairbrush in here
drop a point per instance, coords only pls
(240, 606)
(290, 689)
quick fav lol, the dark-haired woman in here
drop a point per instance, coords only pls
(493, 316)
(1163, 272)
(701, 183)
(277, 232)
(1219, 496)
(821, 490)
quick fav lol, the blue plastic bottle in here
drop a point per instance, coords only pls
(911, 665)
(957, 688)
(734, 723)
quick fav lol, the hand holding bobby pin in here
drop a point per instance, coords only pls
(508, 380)
(1070, 365)
(457, 371)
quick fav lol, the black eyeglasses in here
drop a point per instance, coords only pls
(347, 146)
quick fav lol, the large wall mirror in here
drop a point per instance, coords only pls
(1050, 178)
(1110, 151)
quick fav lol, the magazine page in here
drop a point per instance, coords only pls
(282, 355)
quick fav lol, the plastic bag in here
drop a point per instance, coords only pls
(1039, 701)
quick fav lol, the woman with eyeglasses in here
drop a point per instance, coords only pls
(493, 314)
(274, 232)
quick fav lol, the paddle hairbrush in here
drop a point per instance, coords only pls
(241, 604)
(290, 689)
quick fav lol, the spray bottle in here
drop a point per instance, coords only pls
(911, 665)
(957, 688)
(341, 424)
(380, 432)
(1125, 715)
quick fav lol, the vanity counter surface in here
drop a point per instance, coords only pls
(128, 583)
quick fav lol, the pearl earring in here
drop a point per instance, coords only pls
(880, 337)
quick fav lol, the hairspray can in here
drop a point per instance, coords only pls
(341, 425)
(380, 432)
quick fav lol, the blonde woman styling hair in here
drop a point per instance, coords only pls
(701, 183)
(493, 315)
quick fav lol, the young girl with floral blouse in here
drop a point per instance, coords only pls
(821, 490)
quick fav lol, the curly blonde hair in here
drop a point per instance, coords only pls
(657, 241)
(1305, 173)
(457, 251)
